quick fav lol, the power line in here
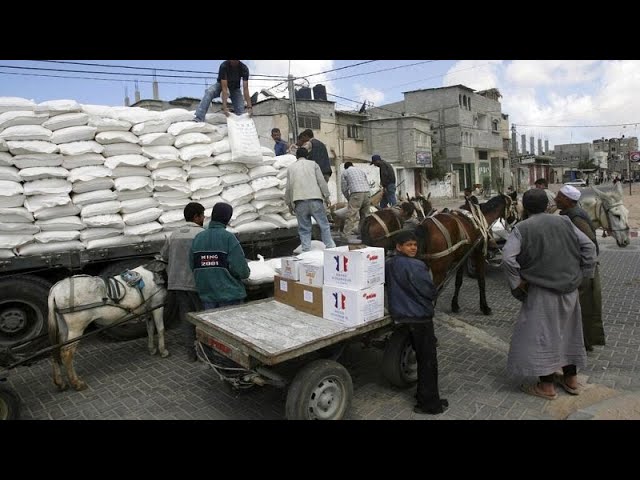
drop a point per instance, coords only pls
(579, 126)
(383, 70)
(118, 80)
(336, 69)
(149, 68)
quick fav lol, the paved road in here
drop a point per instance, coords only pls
(126, 383)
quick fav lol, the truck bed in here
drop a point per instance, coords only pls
(270, 332)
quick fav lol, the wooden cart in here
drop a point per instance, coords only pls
(272, 343)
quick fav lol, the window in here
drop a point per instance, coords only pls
(482, 155)
(353, 131)
(494, 125)
(309, 120)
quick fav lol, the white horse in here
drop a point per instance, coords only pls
(76, 302)
(607, 211)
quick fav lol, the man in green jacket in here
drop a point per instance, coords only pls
(218, 262)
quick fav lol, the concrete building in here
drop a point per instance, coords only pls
(468, 129)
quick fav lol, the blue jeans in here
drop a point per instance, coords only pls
(389, 196)
(212, 305)
(214, 91)
(305, 209)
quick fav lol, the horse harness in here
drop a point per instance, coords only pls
(606, 210)
(114, 290)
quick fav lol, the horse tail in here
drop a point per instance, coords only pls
(53, 328)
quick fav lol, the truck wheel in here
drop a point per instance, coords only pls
(399, 365)
(9, 404)
(23, 309)
(321, 390)
(134, 328)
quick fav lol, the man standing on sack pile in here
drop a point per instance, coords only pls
(228, 85)
(306, 195)
(317, 152)
(355, 188)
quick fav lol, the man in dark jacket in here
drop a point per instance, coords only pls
(410, 293)
(387, 181)
(182, 294)
(318, 153)
(230, 75)
(218, 262)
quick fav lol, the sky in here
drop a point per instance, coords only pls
(562, 101)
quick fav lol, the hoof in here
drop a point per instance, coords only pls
(62, 388)
(165, 354)
(153, 351)
(80, 386)
(455, 308)
(486, 311)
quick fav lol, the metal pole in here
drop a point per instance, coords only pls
(629, 172)
(294, 111)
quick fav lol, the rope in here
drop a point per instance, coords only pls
(234, 375)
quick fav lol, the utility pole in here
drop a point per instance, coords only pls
(294, 111)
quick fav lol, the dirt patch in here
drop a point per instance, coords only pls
(567, 404)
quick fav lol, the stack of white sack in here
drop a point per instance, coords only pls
(78, 176)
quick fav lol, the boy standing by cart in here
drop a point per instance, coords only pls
(410, 293)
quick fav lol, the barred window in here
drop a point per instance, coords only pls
(309, 120)
(353, 131)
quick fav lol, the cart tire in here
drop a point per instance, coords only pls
(23, 310)
(321, 390)
(131, 329)
(399, 365)
(9, 404)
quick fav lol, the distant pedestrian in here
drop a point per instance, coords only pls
(411, 292)
(542, 184)
(469, 198)
(590, 288)
(544, 259)
(355, 188)
(387, 182)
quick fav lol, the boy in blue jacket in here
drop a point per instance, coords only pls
(218, 262)
(410, 293)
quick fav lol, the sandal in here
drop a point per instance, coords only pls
(536, 392)
(559, 379)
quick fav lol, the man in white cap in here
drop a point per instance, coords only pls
(590, 289)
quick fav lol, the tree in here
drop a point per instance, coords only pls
(437, 172)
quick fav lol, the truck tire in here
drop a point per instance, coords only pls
(23, 310)
(9, 404)
(134, 328)
(321, 390)
(399, 365)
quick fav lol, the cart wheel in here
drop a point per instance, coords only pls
(399, 365)
(322, 390)
(9, 404)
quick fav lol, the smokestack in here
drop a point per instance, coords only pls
(127, 102)
(546, 147)
(514, 141)
(137, 93)
(156, 95)
(523, 139)
(532, 145)
(540, 152)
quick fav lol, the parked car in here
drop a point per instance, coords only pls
(577, 183)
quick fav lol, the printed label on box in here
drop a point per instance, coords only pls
(284, 286)
(308, 296)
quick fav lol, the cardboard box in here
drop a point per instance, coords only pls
(355, 269)
(289, 268)
(311, 274)
(284, 290)
(308, 299)
(353, 307)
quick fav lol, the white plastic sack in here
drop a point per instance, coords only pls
(15, 215)
(263, 183)
(114, 242)
(261, 272)
(58, 211)
(121, 149)
(232, 168)
(199, 150)
(156, 139)
(79, 148)
(93, 197)
(9, 189)
(274, 218)
(40, 248)
(158, 125)
(237, 194)
(57, 107)
(100, 208)
(65, 120)
(143, 216)
(121, 172)
(133, 183)
(172, 216)
(191, 139)
(12, 201)
(234, 179)
(18, 228)
(143, 229)
(255, 226)
(243, 139)
(26, 133)
(96, 233)
(76, 161)
(6, 159)
(156, 164)
(57, 236)
(204, 172)
(14, 240)
(88, 173)
(112, 220)
(73, 134)
(126, 160)
(171, 173)
(10, 174)
(8, 104)
(109, 138)
(161, 152)
(47, 186)
(174, 115)
(262, 171)
(135, 205)
(60, 224)
(11, 119)
(82, 186)
(105, 124)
